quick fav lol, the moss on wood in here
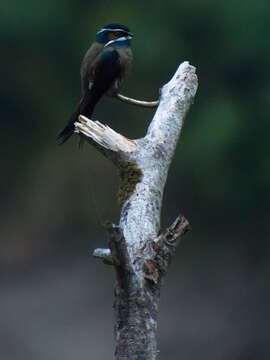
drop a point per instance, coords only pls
(130, 175)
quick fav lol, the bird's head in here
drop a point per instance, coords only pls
(114, 35)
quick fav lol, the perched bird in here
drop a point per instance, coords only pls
(104, 68)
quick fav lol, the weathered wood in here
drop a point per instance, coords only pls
(139, 254)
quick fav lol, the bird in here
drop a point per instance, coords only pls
(104, 69)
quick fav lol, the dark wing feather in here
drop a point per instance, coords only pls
(106, 72)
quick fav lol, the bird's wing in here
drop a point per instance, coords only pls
(106, 71)
(108, 68)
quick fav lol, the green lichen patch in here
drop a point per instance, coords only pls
(130, 175)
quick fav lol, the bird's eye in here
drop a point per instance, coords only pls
(117, 33)
(112, 36)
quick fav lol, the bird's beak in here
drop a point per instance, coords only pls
(130, 35)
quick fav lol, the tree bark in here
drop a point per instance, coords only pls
(139, 254)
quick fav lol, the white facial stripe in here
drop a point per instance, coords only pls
(122, 38)
(108, 29)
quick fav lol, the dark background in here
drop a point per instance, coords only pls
(55, 299)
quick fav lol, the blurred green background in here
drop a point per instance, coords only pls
(55, 298)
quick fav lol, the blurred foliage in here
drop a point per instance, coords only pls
(54, 199)
(220, 178)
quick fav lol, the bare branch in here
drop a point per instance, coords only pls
(150, 104)
(143, 165)
(178, 228)
(105, 255)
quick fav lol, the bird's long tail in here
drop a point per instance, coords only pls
(85, 107)
(68, 130)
